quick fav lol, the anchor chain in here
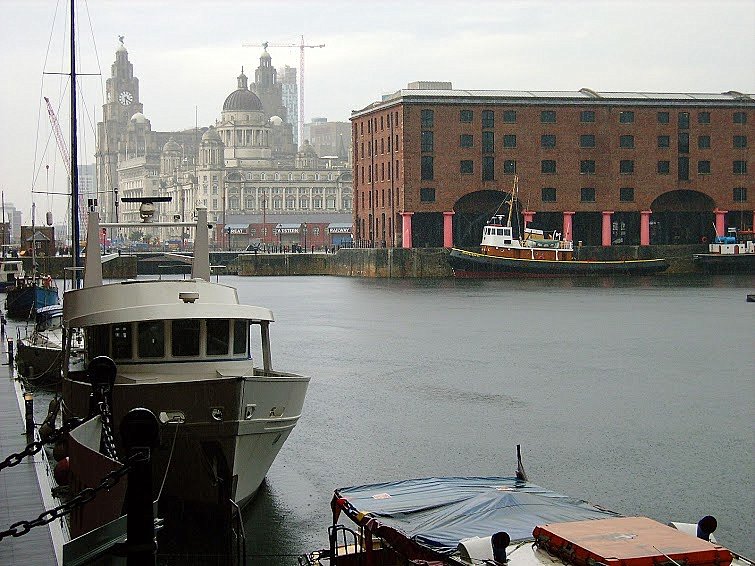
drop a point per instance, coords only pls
(34, 447)
(107, 430)
(20, 528)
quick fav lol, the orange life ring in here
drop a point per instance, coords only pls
(704, 239)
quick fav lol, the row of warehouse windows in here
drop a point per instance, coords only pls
(586, 194)
(382, 146)
(586, 167)
(427, 117)
(384, 122)
(585, 141)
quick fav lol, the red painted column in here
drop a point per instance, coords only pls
(607, 227)
(645, 227)
(568, 231)
(528, 215)
(448, 229)
(720, 222)
(406, 229)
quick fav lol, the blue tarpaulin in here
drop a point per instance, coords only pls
(439, 512)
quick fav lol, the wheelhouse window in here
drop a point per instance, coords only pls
(218, 337)
(240, 336)
(151, 339)
(121, 341)
(185, 334)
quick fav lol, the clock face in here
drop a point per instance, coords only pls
(125, 98)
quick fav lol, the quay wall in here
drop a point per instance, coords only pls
(430, 262)
(350, 262)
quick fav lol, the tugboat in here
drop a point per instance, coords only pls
(536, 253)
(728, 254)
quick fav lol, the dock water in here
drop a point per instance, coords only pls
(23, 494)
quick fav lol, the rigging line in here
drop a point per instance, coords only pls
(170, 457)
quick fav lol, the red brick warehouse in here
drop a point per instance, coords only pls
(432, 164)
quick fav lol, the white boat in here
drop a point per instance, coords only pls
(466, 521)
(182, 349)
(734, 252)
(11, 270)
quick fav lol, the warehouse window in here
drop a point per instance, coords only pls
(740, 118)
(587, 194)
(427, 140)
(740, 194)
(587, 140)
(427, 167)
(548, 194)
(626, 166)
(626, 194)
(427, 195)
(488, 142)
(548, 166)
(740, 167)
(466, 167)
(466, 140)
(587, 167)
(664, 167)
(663, 117)
(587, 116)
(465, 116)
(548, 140)
(626, 117)
(488, 168)
(740, 141)
(427, 118)
(664, 141)
(509, 141)
(703, 167)
(509, 166)
(548, 116)
(627, 142)
(703, 117)
(509, 116)
(488, 119)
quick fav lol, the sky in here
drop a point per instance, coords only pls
(187, 55)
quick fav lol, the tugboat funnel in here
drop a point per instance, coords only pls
(200, 268)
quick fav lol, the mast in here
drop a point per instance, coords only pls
(514, 192)
(2, 196)
(75, 238)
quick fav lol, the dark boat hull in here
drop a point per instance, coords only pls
(23, 302)
(726, 263)
(466, 264)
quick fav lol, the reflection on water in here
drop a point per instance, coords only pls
(634, 393)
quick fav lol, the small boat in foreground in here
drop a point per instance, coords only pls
(463, 521)
(536, 253)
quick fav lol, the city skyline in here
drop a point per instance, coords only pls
(187, 70)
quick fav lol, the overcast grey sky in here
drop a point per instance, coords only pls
(188, 53)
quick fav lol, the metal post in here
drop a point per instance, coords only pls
(139, 432)
(29, 406)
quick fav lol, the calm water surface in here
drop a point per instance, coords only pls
(637, 395)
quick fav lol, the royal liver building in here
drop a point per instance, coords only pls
(244, 164)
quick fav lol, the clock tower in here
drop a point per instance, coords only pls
(121, 103)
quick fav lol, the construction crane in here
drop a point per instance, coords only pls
(64, 154)
(301, 47)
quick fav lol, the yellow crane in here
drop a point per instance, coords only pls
(302, 46)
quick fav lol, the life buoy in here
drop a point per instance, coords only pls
(47, 281)
(704, 240)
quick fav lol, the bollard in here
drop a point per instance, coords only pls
(139, 432)
(29, 406)
(10, 351)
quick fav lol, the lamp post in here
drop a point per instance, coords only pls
(305, 237)
(228, 230)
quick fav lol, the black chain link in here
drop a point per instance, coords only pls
(107, 430)
(34, 447)
(82, 498)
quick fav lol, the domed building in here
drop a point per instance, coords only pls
(245, 168)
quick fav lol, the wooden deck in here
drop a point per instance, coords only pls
(21, 497)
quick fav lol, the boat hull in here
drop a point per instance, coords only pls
(467, 264)
(212, 456)
(39, 365)
(23, 302)
(726, 263)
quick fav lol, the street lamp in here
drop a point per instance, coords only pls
(228, 229)
(305, 237)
